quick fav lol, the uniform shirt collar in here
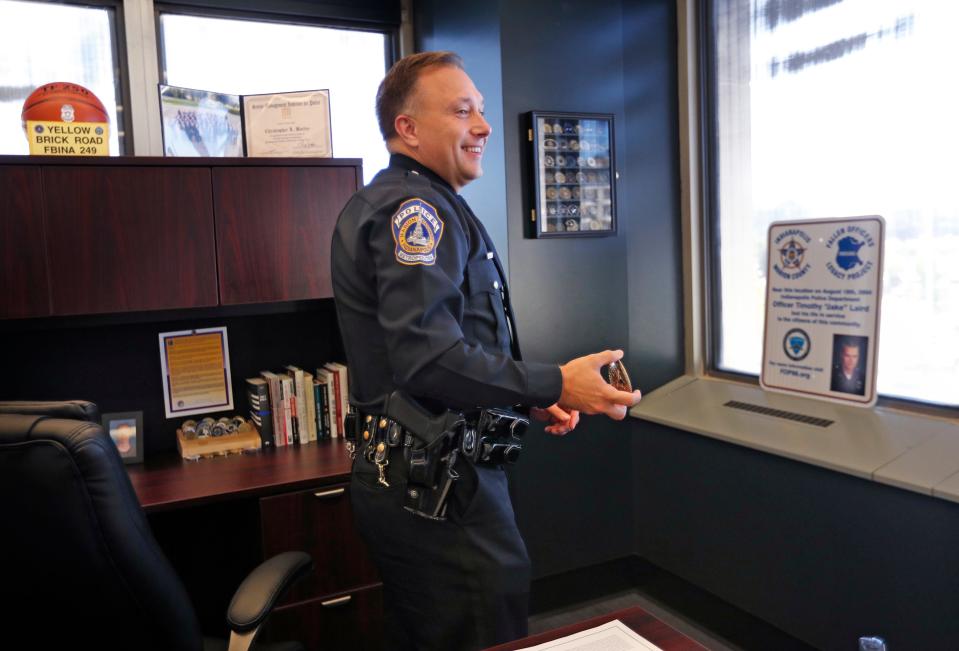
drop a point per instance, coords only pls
(411, 164)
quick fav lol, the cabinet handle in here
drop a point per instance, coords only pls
(330, 493)
(339, 601)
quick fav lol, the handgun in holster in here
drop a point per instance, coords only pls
(431, 446)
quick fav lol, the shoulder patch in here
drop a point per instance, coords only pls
(417, 229)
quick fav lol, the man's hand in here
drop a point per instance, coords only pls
(560, 422)
(585, 390)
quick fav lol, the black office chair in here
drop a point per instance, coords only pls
(79, 566)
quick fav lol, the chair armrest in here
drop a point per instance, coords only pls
(263, 587)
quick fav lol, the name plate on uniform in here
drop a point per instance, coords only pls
(288, 124)
(823, 290)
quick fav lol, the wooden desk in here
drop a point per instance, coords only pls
(654, 630)
(173, 483)
(218, 518)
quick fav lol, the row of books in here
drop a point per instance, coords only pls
(295, 407)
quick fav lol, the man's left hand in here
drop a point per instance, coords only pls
(561, 422)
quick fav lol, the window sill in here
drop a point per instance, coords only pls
(903, 449)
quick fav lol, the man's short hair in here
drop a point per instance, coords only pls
(398, 84)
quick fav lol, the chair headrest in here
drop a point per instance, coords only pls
(74, 409)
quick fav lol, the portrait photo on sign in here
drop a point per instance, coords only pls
(126, 431)
(200, 122)
(849, 354)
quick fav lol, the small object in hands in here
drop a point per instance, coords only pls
(618, 377)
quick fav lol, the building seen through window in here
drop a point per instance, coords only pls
(840, 108)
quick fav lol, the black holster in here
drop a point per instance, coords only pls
(430, 448)
(433, 443)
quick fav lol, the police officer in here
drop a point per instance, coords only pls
(423, 306)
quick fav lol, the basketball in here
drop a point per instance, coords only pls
(61, 101)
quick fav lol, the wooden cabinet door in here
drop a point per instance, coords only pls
(320, 523)
(24, 290)
(353, 621)
(129, 238)
(273, 230)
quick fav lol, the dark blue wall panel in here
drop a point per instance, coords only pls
(820, 554)
(575, 296)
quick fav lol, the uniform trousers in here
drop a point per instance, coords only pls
(452, 585)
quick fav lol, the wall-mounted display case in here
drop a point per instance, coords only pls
(574, 174)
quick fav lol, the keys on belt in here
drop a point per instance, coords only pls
(432, 446)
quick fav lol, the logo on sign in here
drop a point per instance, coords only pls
(853, 245)
(796, 344)
(847, 256)
(792, 245)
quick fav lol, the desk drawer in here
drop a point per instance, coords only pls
(352, 621)
(319, 522)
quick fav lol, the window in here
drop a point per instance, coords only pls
(839, 108)
(44, 42)
(247, 57)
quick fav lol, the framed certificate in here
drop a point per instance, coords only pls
(196, 371)
(288, 124)
(573, 174)
(199, 122)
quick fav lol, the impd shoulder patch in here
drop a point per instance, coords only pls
(417, 229)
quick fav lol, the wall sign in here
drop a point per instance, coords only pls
(823, 290)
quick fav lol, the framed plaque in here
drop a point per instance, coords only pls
(823, 297)
(288, 124)
(195, 367)
(200, 122)
(574, 174)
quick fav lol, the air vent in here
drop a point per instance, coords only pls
(779, 413)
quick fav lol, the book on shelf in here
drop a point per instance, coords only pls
(322, 413)
(298, 405)
(261, 415)
(326, 377)
(308, 398)
(289, 409)
(276, 406)
(341, 391)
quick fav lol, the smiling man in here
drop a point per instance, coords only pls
(423, 307)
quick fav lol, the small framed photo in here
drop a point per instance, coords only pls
(574, 174)
(126, 430)
(200, 122)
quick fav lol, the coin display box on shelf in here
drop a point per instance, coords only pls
(245, 439)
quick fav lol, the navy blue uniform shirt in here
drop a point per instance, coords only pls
(420, 300)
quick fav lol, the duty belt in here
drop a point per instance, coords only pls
(431, 445)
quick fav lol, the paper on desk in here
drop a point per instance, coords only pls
(612, 636)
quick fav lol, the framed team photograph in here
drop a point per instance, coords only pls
(573, 173)
(200, 122)
(126, 430)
